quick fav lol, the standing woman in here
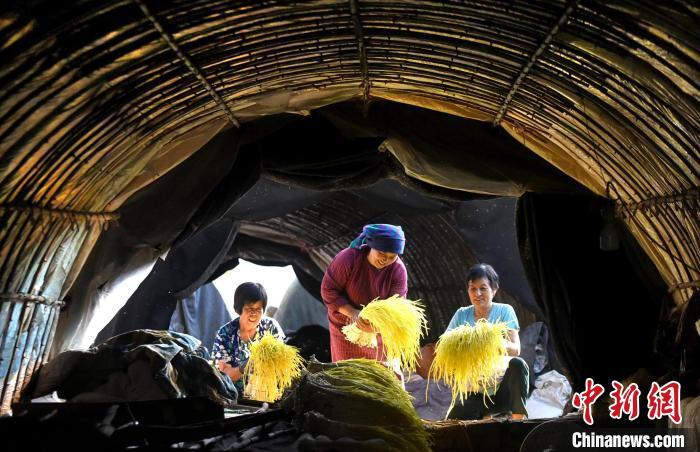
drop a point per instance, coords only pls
(369, 268)
(231, 348)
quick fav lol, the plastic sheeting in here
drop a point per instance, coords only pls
(548, 399)
(281, 165)
(301, 189)
(299, 308)
(201, 315)
(138, 365)
(602, 307)
(306, 228)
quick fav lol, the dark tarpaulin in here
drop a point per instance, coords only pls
(201, 315)
(299, 308)
(451, 152)
(437, 257)
(149, 222)
(316, 156)
(153, 303)
(260, 251)
(602, 306)
(138, 365)
(186, 269)
(488, 225)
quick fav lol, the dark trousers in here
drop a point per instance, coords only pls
(509, 398)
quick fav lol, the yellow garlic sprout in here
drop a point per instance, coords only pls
(272, 367)
(401, 323)
(468, 359)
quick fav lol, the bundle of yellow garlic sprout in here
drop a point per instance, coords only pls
(468, 358)
(363, 397)
(272, 367)
(359, 337)
(401, 323)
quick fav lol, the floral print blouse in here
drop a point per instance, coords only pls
(229, 347)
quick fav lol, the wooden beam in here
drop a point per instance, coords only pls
(361, 49)
(73, 215)
(533, 59)
(187, 61)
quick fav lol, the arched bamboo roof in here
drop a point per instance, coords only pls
(98, 99)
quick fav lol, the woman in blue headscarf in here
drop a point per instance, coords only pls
(368, 269)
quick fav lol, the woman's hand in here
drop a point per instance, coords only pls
(513, 343)
(235, 373)
(354, 315)
(364, 325)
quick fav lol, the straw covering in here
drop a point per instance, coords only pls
(401, 323)
(362, 399)
(272, 367)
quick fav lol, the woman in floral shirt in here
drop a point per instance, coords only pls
(231, 348)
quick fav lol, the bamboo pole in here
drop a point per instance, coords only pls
(24, 352)
(18, 340)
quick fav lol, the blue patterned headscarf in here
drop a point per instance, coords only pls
(382, 237)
